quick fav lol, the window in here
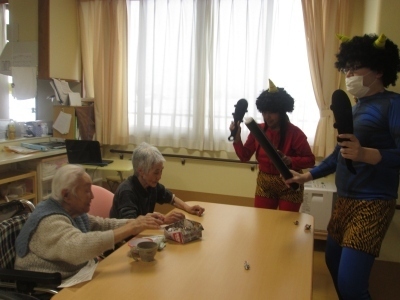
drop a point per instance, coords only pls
(18, 110)
(191, 61)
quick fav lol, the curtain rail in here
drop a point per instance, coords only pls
(183, 157)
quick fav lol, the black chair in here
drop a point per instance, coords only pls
(15, 284)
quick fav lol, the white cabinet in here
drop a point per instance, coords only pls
(45, 169)
(318, 201)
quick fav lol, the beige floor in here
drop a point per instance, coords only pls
(385, 273)
(323, 288)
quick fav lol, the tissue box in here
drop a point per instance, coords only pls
(183, 231)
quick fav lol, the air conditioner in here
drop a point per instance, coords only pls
(18, 54)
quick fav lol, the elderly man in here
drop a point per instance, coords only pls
(138, 194)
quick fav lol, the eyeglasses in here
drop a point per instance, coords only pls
(351, 69)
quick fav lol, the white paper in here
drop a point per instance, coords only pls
(63, 89)
(85, 274)
(62, 123)
(55, 91)
(24, 80)
(74, 99)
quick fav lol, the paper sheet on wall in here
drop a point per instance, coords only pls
(62, 123)
(85, 274)
(74, 99)
(55, 92)
(62, 88)
(25, 84)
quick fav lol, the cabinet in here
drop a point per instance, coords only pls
(59, 40)
(319, 200)
(71, 135)
(45, 169)
(26, 178)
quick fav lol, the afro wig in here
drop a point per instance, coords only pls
(360, 51)
(276, 102)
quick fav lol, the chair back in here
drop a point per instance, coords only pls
(102, 202)
(9, 230)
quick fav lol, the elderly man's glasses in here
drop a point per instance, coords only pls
(351, 69)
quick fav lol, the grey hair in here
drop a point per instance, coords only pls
(144, 157)
(66, 178)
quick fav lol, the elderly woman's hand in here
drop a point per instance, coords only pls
(149, 221)
(136, 226)
(155, 215)
(173, 216)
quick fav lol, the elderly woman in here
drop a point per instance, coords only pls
(60, 236)
(139, 193)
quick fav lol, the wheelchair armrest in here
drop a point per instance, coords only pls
(40, 278)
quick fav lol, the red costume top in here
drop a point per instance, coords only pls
(295, 146)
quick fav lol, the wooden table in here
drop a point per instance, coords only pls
(279, 252)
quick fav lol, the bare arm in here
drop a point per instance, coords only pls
(194, 210)
(299, 178)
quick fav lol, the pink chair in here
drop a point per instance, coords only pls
(102, 202)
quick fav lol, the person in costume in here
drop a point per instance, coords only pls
(290, 142)
(138, 194)
(60, 236)
(367, 199)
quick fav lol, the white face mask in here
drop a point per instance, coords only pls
(355, 86)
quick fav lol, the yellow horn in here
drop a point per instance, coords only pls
(343, 38)
(380, 42)
(272, 87)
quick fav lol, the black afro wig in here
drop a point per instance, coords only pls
(276, 102)
(360, 51)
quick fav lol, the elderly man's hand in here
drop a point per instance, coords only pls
(196, 210)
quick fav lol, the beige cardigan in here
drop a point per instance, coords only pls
(58, 246)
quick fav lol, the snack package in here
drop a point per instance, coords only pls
(183, 231)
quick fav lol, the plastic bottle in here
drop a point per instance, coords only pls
(11, 130)
(45, 129)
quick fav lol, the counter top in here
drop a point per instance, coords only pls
(11, 157)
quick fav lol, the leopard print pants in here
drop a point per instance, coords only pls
(273, 187)
(361, 224)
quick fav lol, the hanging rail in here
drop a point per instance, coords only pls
(184, 157)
